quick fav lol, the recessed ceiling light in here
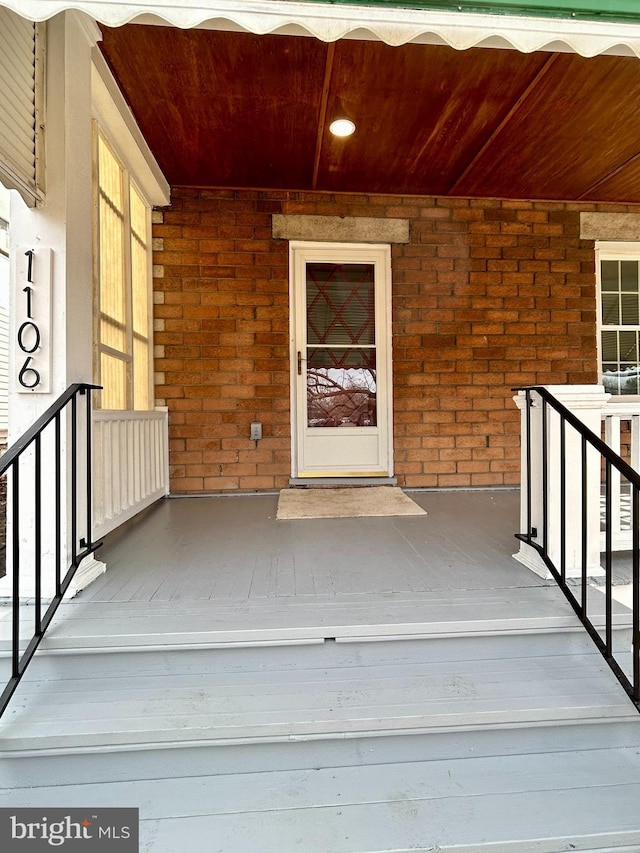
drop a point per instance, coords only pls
(342, 127)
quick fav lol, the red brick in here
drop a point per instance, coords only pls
(489, 294)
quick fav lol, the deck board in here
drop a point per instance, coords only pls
(403, 806)
(353, 785)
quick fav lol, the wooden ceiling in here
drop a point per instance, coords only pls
(236, 110)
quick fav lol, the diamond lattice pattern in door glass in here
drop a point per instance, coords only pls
(341, 357)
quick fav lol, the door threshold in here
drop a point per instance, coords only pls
(343, 481)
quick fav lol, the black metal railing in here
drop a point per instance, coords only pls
(67, 467)
(593, 451)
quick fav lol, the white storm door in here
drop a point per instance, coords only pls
(341, 360)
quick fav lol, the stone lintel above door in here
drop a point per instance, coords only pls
(339, 229)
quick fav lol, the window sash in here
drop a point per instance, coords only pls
(123, 285)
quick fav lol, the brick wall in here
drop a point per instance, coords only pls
(487, 295)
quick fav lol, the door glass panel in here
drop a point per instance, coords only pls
(341, 387)
(340, 304)
(341, 356)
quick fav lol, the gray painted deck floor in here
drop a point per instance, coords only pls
(233, 547)
(223, 570)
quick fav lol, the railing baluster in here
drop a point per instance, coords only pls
(612, 430)
(38, 532)
(585, 520)
(58, 506)
(15, 559)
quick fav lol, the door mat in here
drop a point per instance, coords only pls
(346, 503)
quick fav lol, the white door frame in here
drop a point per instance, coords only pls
(378, 254)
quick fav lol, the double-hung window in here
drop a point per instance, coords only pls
(618, 273)
(123, 286)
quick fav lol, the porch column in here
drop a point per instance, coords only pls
(63, 225)
(587, 403)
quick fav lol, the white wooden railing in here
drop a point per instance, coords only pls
(621, 419)
(130, 465)
(617, 420)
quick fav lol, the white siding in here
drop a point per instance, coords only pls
(18, 104)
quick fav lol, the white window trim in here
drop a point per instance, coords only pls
(110, 110)
(606, 250)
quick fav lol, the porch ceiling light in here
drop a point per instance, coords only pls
(342, 127)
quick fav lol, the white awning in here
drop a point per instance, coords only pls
(329, 22)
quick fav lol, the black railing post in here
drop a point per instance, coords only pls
(608, 552)
(563, 499)
(15, 560)
(74, 481)
(58, 499)
(528, 422)
(585, 520)
(37, 495)
(635, 618)
(545, 479)
(89, 473)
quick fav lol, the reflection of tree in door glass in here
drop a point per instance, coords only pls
(341, 395)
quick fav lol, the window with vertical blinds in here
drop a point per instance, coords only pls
(619, 293)
(123, 366)
(18, 104)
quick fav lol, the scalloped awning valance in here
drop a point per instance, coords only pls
(391, 24)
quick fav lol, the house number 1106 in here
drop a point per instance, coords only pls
(29, 334)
